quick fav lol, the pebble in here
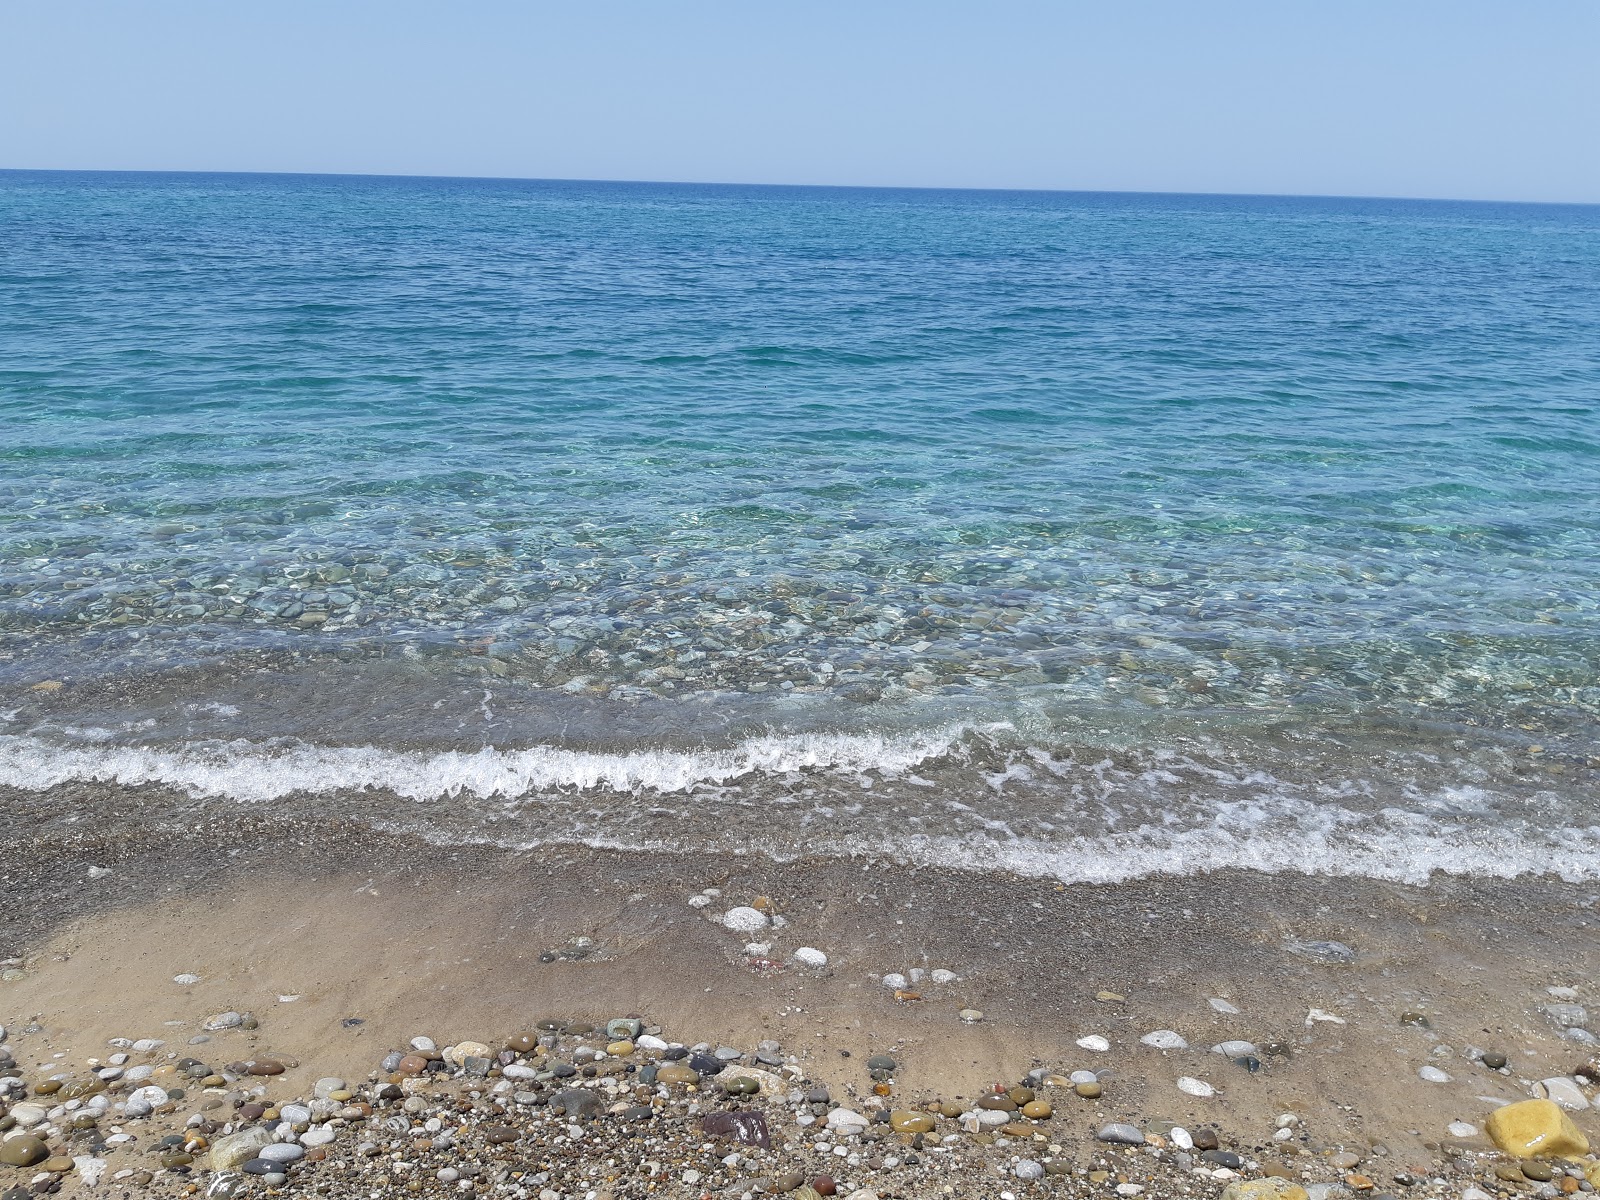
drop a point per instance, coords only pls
(1462, 1129)
(1563, 1091)
(1120, 1133)
(971, 1015)
(1236, 1048)
(1222, 1006)
(1191, 1086)
(1432, 1075)
(1027, 1168)
(744, 919)
(223, 1020)
(186, 979)
(810, 956)
(1094, 1042)
(1165, 1039)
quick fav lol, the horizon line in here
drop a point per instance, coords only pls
(863, 187)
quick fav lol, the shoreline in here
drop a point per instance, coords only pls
(475, 944)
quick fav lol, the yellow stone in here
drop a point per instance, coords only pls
(674, 1072)
(1039, 1110)
(1535, 1129)
(1271, 1188)
(905, 1121)
(620, 1049)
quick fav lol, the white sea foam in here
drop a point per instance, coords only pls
(1246, 820)
(252, 772)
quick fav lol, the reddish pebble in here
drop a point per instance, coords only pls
(823, 1185)
(251, 1112)
(412, 1064)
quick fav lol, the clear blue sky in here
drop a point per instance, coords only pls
(1493, 99)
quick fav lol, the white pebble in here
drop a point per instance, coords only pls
(758, 949)
(810, 956)
(1191, 1086)
(1222, 1006)
(699, 901)
(1181, 1138)
(1164, 1039)
(744, 919)
(1094, 1042)
(893, 980)
(1433, 1075)
(1237, 1048)
(940, 975)
(1463, 1129)
(424, 1045)
(186, 979)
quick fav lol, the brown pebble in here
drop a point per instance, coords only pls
(1089, 1091)
(521, 1043)
(823, 1185)
(47, 1087)
(1359, 1183)
(263, 1066)
(412, 1064)
(1039, 1110)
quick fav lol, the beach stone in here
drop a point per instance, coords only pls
(282, 1152)
(845, 1120)
(1038, 1110)
(411, 1064)
(461, 1051)
(1270, 1188)
(1094, 1042)
(1494, 1061)
(624, 1028)
(677, 1073)
(881, 1062)
(1432, 1074)
(1117, 1132)
(1535, 1128)
(235, 1149)
(1165, 1039)
(1564, 1092)
(90, 1169)
(1535, 1170)
(1089, 1091)
(1190, 1086)
(223, 1020)
(577, 1103)
(971, 1015)
(810, 956)
(744, 919)
(1236, 1048)
(24, 1150)
(742, 1128)
(1027, 1168)
(905, 1121)
(326, 1086)
(29, 1115)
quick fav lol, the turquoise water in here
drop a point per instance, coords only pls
(1297, 490)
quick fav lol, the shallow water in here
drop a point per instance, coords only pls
(1079, 534)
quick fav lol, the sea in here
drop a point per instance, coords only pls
(1083, 536)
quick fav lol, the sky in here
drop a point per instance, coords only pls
(1471, 99)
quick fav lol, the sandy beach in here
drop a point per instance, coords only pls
(339, 949)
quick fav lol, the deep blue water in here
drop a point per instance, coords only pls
(668, 464)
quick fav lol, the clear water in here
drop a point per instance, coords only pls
(1185, 530)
